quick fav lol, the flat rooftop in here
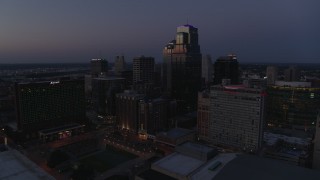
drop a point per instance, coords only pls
(251, 167)
(204, 173)
(177, 164)
(14, 165)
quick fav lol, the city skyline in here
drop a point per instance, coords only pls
(49, 32)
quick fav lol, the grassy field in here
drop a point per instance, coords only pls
(107, 159)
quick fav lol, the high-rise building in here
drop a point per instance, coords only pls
(181, 70)
(207, 69)
(292, 74)
(43, 105)
(143, 70)
(226, 67)
(272, 75)
(127, 109)
(237, 116)
(316, 152)
(104, 92)
(203, 117)
(292, 103)
(99, 67)
(119, 65)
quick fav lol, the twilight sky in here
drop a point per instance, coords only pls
(36, 31)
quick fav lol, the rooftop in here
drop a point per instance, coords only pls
(14, 165)
(252, 167)
(177, 164)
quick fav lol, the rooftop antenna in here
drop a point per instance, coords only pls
(187, 21)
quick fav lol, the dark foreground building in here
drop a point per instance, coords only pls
(44, 105)
(226, 67)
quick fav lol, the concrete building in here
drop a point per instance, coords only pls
(237, 116)
(292, 74)
(272, 75)
(104, 92)
(127, 109)
(316, 152)
(181, 70)
(99, 67)
(43, 105)
(226, 67)
(119, 65)
(203, 117)
(225, 166)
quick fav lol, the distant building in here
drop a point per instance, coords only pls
(155, 113)
(42, 105)
(292, 74)
(143, 70)
(237, 116)
(104, 92)
(206, 69)
(292, 103)
(127, 109)
(255, 82)
(272, 75)
(226, 67)
(203, 117)
(128, 76)
(99, 67)
(316, 152)
(181, 70)
(119, 65)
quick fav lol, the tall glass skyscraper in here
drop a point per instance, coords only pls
(181, 70)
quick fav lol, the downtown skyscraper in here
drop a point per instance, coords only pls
(181, 70)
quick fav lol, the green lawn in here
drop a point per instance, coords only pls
(107, 159)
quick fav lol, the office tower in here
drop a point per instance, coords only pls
(203, 117)
(154, 114)
(292, 74)
(292, 103)
(207, 69)
(272, 74)
(119, 65)
(316, 152)
(42, 105)
(143, 70)
(143, 74)
(237, 116)
(104, 92)
(181, 70)
(127, 110)
(226, 67)
(99, 67)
